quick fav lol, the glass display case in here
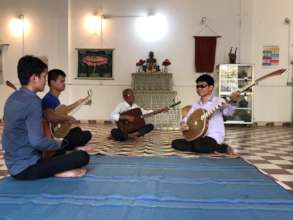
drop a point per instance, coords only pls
(231, 78)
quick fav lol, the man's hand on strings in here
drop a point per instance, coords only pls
(235, 96)
(184, 126)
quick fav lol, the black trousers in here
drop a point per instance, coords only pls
(200, 145)
(118, 135)
(75, 138)
(54, 165)
(61, 161)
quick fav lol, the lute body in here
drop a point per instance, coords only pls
(139, 122)
(129, 127)
(60, 130)
(197, 126)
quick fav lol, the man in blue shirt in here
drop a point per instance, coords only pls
(76, 138)
(213, 140)
(23, 139)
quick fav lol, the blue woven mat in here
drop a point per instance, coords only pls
(150, 188)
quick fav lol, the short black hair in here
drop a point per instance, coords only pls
(29, 65)
(206, 78)
(126, 92)
(53, 75)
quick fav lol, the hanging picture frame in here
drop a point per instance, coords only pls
(95, 63)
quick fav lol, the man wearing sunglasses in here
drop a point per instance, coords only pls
(213, 140)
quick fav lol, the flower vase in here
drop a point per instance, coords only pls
(165, 69)
(139, 69)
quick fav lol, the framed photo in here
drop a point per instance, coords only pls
(95, 64)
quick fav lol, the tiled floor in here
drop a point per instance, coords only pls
(270, 149)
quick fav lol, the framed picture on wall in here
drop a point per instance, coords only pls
(95, 63)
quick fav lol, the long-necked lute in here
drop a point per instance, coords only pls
(139, 122)
(198, 120)
(60, 130)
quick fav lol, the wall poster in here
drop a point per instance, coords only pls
(271, 55)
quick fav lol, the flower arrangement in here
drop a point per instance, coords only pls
(139, 64)
(166, 63)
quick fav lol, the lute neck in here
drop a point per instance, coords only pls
(211, 111)
(208, 113)
(228, 99)
(151, 113)
(160, 110)
(86, 100)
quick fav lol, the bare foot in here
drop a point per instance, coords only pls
(133, 135)
(72, 173)
(218, 153)
(230, 151)
(86, 148)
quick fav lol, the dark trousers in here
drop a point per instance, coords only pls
(200, 145)
(54, 165)
(118, 135)
(61, 161)
(75, 138)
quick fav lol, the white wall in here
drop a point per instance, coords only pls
(178, 45)
(47, 36)
(263, 24)
(58, 29)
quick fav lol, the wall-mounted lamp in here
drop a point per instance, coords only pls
(20, 27)
(93, 23)
(17, 26)
(287, 22)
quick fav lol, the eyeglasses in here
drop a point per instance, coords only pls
(201, 86)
